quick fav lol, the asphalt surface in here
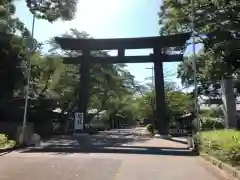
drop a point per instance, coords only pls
(125, 154)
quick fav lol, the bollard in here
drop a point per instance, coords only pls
(190, 142)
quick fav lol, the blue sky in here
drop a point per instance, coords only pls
(108, 19)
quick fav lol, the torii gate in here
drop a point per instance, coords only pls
(158, 57)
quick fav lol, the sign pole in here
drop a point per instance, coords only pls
(31, 49)
(153, 100)
(195, 64)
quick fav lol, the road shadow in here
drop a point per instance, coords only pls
(178, 140)
(113, 143)
(115, 150)
(4, 153)
(113, 140)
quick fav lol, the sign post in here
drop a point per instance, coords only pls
(78, 125)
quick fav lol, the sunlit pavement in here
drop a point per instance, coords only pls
(113, 155)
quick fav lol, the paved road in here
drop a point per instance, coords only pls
(111, 155)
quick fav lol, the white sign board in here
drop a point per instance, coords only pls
(78, 125)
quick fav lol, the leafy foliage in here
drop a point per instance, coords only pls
(217, 26)
(15, 41)
(53, 10)
(222, 144)
(48, 10)
(149, 128)
(112, 88)
(45, 72)
(209, 123)
(5, 143)
(177, 103)
(108, 82)
(212, 112)
(145, 104)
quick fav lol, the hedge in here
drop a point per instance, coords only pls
(5, 143)
(209, 123)
(222, 144)
(149, 128)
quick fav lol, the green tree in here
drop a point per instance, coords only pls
(219, 20)
(177, 103)
(145, 105)
(50, 10)
(109, 83)
(121, 111)
(207, 76)
(14, 43)
(45, 74)
(53, 10)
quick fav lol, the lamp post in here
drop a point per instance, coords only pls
(152, 68)
(153, 100)
(31, 49)
(194, 64)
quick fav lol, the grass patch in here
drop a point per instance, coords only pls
(5, 143)
(223, 145)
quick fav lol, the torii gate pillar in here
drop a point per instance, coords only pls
(161, 110)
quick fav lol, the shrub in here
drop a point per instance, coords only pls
(5, 143)
(149, 128)
(197, 143)
(208, 123)
(212, 112)
(222, 144)
(3, 139)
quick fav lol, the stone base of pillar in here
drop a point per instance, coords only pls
(80, 134)
(190, 143)
(27, 135)
(84, 139)
(160, 136)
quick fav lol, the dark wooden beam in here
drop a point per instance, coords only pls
(126, 59)
(121, 52)
(123, 43)
(161, 115)
(84, 86)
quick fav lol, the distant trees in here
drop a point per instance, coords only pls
(177, 103)
(111, 85)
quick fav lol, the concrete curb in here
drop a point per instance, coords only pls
(16, 147)
(227, 168)
(166, 137)
(8, 149)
